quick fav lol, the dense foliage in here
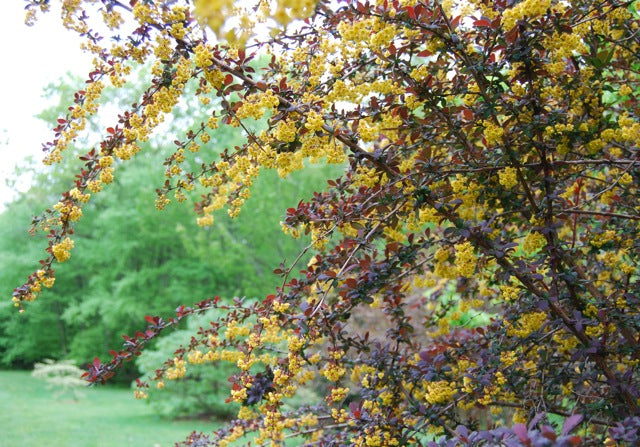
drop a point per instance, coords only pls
(475, 269)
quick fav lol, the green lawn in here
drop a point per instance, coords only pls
(105, 417)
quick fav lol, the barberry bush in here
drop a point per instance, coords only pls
(474, 277)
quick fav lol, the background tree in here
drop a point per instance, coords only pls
(492, 150)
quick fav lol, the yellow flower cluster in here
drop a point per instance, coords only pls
(62, 250)
(338, 394)
(600, 239)
(468, 191)
(68, 211)
(507, 177)
(465, 259)
(314, 122)
(256, 104)
(508, 358)
(236, 433)
(177, 371)
(368, 132)
(286, 131)
(358, 31)
(106, 176)
(139, 394)
(79, 114)
(382, 38)
(439, 392)
(333, 372)
(493, 133)
(533, 242)
(527, 324)
(527, 8)
(203, 56)
(79, 196)
(234, 330)
(205, 221)
(375, 437)
(509, 293)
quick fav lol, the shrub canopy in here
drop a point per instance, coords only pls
(476, 265)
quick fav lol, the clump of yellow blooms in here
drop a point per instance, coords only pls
(315, 121)
(493, 133)
(234, 330)
(333, 372)
(533, 242)
(465, 259)
(439, 392)
(139, 394)
(600, 239)
(527, 324)
(338, 394)
(526, 8)
(177, 371)
(286, 131)
(62, 250)
(509, 293)
(508, 177)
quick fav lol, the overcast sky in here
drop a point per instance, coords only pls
(32, 57)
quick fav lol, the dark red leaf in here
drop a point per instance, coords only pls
(482, 22)
(351, 283)
(549, 433)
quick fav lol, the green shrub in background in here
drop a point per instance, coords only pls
(203, 390)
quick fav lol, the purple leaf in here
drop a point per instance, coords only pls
(570, 423)
(521, 432)
(535, 420)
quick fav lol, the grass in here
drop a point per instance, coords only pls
(30, 415)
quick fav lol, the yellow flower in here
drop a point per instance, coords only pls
(508, 177)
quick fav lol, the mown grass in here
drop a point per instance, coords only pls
(30, 415)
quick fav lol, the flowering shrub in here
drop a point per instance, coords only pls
(475, 268)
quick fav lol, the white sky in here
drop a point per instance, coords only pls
(32, 58)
